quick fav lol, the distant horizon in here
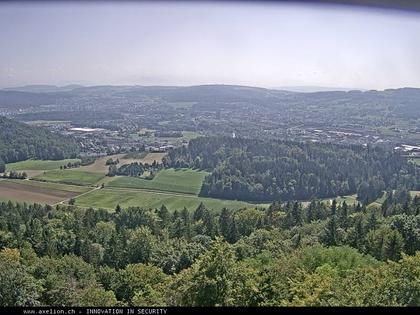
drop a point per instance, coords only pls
(194, 43)
(290, 88)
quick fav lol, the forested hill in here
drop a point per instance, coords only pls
(19, 142)
(402, 103)
(256, 170)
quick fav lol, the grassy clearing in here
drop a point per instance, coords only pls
(415, 193)
(110, 198)
(38, 165)
(72, 177)
(149, 158)
(415, 161)
(54, 186)
(181, 180)
(188, 135)
(350, 200)
(36, 192)
(381, 199)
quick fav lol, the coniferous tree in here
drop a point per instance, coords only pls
(199, 212)
(186, 221)
(393, 246)
(164, 215)
(208, 223)
(333, 207)
(233, 235)
(343, 216)
(330, 232)
(2, 166)
(372, 222)
(225, 222)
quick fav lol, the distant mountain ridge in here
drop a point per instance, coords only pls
(44, 88)
(401, 102)
(313, 89)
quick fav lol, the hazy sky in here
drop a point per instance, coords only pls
(267, 45)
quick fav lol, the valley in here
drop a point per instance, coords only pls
(162, 157)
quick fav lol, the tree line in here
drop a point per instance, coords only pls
(14, 175)
(288, 254)
(134, 169)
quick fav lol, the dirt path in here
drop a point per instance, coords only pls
(158, 192)
(68, 199)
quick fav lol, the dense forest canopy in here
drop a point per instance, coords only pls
(263, 170)
(20, 142)
(286, 255)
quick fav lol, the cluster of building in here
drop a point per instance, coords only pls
(100, 141)
(409, 150)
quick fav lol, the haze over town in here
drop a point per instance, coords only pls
(267, 44)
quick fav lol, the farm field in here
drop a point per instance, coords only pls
(72, 177)
(135, 155)
(36, 192)
(149, 158)
(99, 165)
(110, 198)
(43, 165)
(350, 200)
(188, 135)
(56, 186)
(415, 193)
(181, 180)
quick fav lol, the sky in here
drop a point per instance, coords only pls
(186, 43)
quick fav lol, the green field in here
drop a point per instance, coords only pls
(110, 198)
(56, 186)
(71, 177)
(415, 193)
(38, 165)
(181, 180)
(350, 200)
(416, 161)
(188, 135)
